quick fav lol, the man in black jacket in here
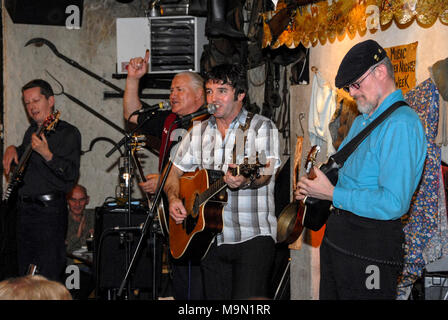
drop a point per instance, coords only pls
(50, 172)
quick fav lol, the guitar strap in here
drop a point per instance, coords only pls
(244, 128)
(167, 125)
(342, 155)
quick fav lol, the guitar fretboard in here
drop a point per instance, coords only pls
(215, 188)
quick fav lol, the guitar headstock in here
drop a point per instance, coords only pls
(137, 142)
(247, 169)
(50, 122)
(311, 158)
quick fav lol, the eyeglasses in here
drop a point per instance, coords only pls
(356, 85)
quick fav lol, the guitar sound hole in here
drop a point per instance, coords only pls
(192, 219)
(195, 212)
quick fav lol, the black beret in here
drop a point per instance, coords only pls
(357, 61)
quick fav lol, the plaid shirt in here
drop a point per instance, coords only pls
(248, 212)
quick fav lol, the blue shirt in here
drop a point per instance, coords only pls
(378, 180)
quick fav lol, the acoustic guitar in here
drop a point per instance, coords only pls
(204, 196)
(16, 177)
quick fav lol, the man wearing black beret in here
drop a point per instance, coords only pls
(361, 256)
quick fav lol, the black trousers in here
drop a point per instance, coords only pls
(187, 280)
(41, 231)
(360, 258)
(238, 271)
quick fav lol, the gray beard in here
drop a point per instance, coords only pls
(365, 108)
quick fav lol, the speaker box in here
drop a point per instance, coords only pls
(114, 249)
(42, 12)
(436, 286)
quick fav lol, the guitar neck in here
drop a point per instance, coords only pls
(312, 174)
(140, 172)
(215, 188)
(26, 154)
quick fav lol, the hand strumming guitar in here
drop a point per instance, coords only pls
(177, 210)
(319, 187)
(40, 145)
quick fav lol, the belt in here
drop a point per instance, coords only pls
(42, 198)
(341, 211)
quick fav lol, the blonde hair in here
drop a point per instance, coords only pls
(33, 287)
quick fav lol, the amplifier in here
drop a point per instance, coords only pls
(114, 248)
(436, 286)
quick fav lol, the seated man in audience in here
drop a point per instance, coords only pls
(79, 233)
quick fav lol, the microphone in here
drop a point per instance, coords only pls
(161, 106)
(209, 108)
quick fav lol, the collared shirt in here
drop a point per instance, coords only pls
(248, 212)
(72, 240)
(60, 173)
(378, 180)
(158, 126)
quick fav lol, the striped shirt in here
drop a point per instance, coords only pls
(249, 212)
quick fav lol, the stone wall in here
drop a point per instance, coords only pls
(93, 46)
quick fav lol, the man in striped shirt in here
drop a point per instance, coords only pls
(238, 263)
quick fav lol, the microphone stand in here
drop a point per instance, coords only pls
(149, 221)
(127, 136)
(126, 140)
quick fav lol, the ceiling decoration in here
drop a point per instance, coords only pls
(328, 20)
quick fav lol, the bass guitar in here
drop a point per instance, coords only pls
(16, 177)
(316, 211)
(161, 214)
(204, 196)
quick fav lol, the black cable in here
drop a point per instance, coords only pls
(92, 143)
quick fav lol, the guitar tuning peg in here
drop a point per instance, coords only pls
(140, 138)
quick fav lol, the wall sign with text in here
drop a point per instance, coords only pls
(404, 59)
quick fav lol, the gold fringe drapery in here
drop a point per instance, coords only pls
(330, 19)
